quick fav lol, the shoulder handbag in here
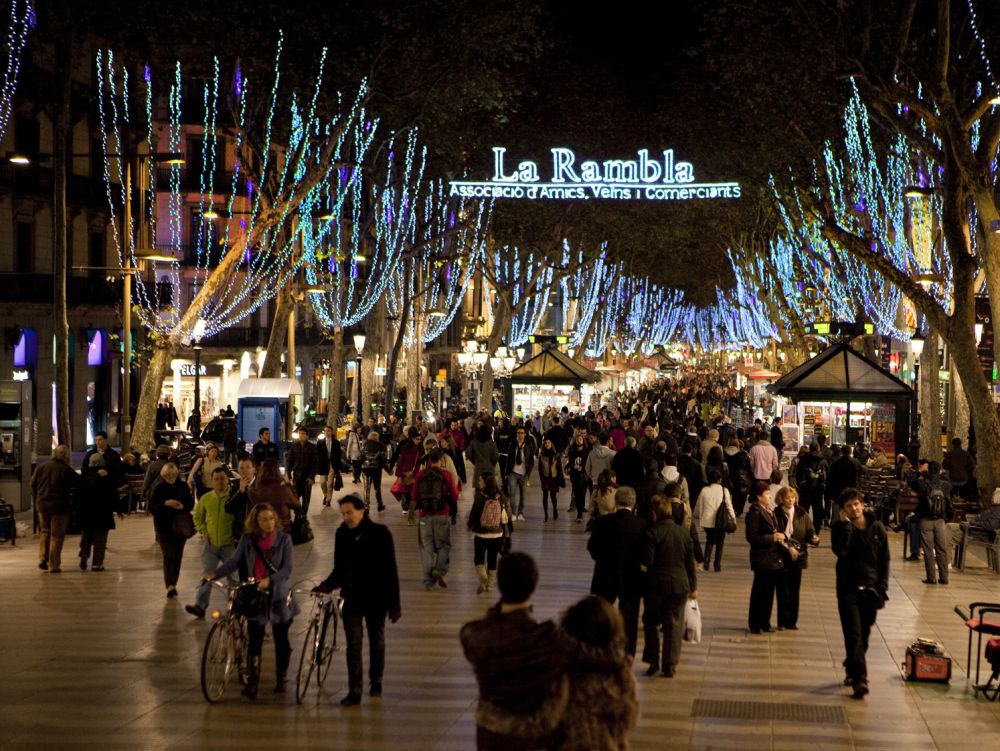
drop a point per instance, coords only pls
(724, 520)
(250, 600)
(301, 530)
(183, 525)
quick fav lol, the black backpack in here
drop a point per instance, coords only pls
(937, 501)
(430, 492)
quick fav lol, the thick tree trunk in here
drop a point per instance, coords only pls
(984, 415)
(336, 378)
(63, 77)
(414, 401)
(149, 397)
(929, 400)
(374, 349)
(397, 346)
(277, 340)
(961, 409)
(501, 327)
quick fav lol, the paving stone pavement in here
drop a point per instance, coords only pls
(104, 661)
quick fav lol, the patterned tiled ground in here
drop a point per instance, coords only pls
(104, 661)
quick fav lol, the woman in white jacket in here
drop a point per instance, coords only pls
(706, 510)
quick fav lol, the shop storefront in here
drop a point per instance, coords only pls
(846, 397)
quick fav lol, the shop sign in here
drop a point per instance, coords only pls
(650, 177)
(188, 370)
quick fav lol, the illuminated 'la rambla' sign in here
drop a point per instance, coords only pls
(647, 177)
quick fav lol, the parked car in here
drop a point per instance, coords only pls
(215, 430)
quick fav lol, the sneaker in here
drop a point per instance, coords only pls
(196, 611)
(97, 568)
(171, 592)
(43, 565)
(83, 563)
(381, 507)
(351, 700)
(520, 518)
(326, 504)
(579, 520)
(860, 689)
(375, 689)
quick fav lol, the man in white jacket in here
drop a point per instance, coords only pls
(672, 474)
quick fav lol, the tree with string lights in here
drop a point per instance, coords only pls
(430, 283)
(277, 191)
(902, 224)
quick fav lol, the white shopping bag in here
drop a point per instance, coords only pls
(692, 622)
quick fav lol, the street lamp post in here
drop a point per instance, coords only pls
(359, 345)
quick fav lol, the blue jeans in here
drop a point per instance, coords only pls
(211, 557)
(515, 488)
(435, 546)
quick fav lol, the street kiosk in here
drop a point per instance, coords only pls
(549, 379)
(850, 399)
(265, 403)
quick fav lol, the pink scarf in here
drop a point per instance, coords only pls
(266, 544)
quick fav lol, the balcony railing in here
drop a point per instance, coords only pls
(80, 290)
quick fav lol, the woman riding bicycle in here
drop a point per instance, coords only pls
(266, 552)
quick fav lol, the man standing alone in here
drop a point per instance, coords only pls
(860, 543)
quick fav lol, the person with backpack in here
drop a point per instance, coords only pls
(433, 500)
(373, 461)
(933, 511)
(488, 520)
(810, 481)
(740, 473)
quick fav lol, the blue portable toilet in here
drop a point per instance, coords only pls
(263, 403)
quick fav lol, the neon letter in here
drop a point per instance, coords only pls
(498, 175)
(649, 172)
(562, 162)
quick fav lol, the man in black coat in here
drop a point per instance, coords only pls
(615, 545)
(557, 434)
(669, 564)
(364, 568)
(692, 470)
(303, 464)
(652, 484)
(328, 456)
(264, 449)
(862, 548)
(777, 437)
(843, 474)
(627, 465)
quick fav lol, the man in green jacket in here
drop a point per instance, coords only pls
(216, 527)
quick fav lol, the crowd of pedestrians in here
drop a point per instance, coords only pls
(655, 473)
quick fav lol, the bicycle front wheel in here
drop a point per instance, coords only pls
(327, 645)
(217, 660)
(307, 662)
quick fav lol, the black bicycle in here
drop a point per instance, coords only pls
(320, 642)
(225, 649)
